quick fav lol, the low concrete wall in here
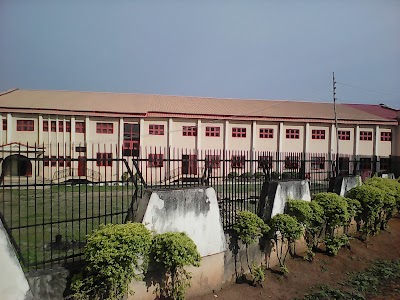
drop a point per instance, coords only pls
(48, 284)
(13, 284)
(275, 194)
(341, 185)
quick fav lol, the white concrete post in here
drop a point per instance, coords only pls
(280, 137)
(253, 144)
(307, 137)
(376, 140)
(9, 129)
(332, 141)
(87, 134)
(72, 137)
(1, 130)
(226, 135)
(142, 131)
(169, 132)
(357, 140)
(40, 128)
(199, 135)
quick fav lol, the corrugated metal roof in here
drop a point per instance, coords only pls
(69, 102)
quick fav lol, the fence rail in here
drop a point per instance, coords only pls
(49, 203)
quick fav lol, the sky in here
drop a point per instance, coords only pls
(253, 49)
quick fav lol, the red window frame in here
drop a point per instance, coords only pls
(104, 159)
(80, 127)
(213, 131)
(239, 132)
(344, 135)
(68, 126)
(4, 124)
(61, 126)
(45, 125)
(53, 126)
(104, 128)
(265, 161)
(25, 125)
(156, 160)
(156, 129)
(318, 134)
(189, 130)
(292, 133)
(237, 161)
(266, 133)
(365, 135)
(386, 136)
(213, 161)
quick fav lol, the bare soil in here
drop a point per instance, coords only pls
(324, 270)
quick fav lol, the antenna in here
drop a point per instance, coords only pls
(336, 123)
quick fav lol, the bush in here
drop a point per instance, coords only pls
(172, 251)
(259, 175)
(334, 243)
(286, 229)
(249, 227)
(290, 175)
(247, 175)
(114, 254)
(232, 175)
(371, 199)
(275, 175)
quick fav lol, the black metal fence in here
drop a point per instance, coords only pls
(52, 197)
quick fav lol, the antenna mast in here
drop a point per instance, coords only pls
(336, 123)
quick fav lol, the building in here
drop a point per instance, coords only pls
(66, 129)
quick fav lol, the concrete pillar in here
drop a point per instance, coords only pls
(199, 135)
(1, 129)
(9, 129)
(253, 144)
(332, 141)
(226, 135)
(357, 140)
(169, 132)
(280, 137)
(87, 131)
(307, 138)
(40, 129)
(376, 140)
(73, 131)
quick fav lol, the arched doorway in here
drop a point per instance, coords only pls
(17, 165)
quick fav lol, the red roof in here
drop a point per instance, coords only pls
(377, 110)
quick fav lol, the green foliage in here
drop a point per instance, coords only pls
(372, 200)
(232, 175)
(334, 243)
(246, 175)
(335, 210)
(328, 293)
(172, 251)
(249, 227)
(275, 175)
(290, 175)
(258, 274)
(259, 175)
(286, 229)
(114, 254)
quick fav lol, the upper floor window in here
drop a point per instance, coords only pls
(4, 124)
(365, 135)
(386, 136)
(104, 159)
(239, 132)
(292, 133)
(53, 126)
(189, 130)
(344, 135)
(266, 133)
(80, 127)
(45, 125)
(212, 131)
(107, 128)
(155, 129)
(156, 160)
(61, 126)
(318, 134)
(25, 125)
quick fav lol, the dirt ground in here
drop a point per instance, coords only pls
(324, 270)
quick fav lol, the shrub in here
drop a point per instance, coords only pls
(286, 229)
(259, 175)
(232, 175)
(371, 199)
(172, 251)
(246, 176)
(258, 274)
(114, 254)
(290, 175)
(334, 243)
(275, 175)
(249, 227)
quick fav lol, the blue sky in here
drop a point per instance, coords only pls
(219, 48)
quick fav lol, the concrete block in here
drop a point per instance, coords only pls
(341, 185)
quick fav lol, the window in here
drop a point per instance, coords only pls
(61, 126)
(265, 162)
(237, 161)
(365, 163)
(213, 131)
(156, 129)
(291, 162)
(156, 160)
(239, 132)
(68, 126)
(344, 164)
(292, 133)
(318, 134)
(266, 133)
(318, 162)
(61, 161)
(213, 161)
(130, 146)
(384, 163)
(45, 126)
(4, 124)
(189, 130)
(68, 161)
(25, 125)
(365, 135)
(344, 135)
(107, 128)
(53, 126)
(80, 127)
(386, 136)
(46, 161)
(53, 160)
(104, 159)
(80, 149)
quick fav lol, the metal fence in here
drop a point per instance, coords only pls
(52, 196)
